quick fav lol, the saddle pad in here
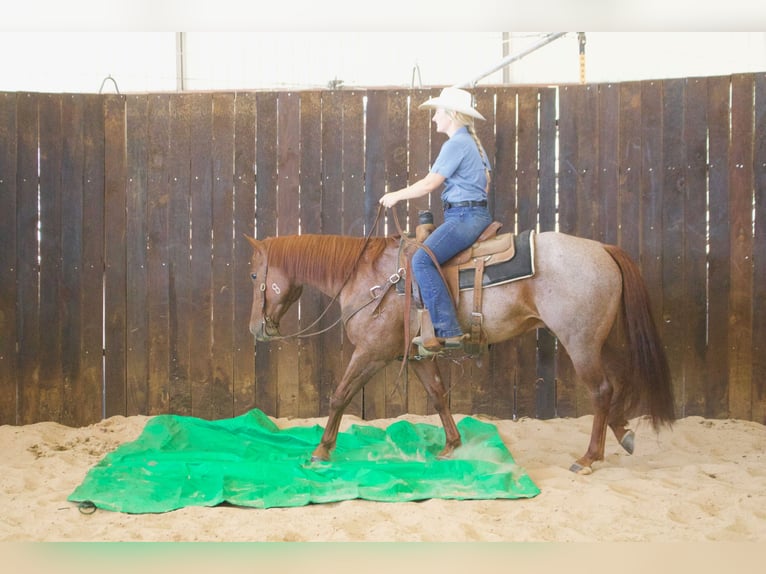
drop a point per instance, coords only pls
(521, 266)
(182, 461)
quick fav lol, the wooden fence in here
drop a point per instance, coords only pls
(124, 283)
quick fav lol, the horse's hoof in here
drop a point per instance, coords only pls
(628, 441)
(320, 455)
(446, 453)
(577, 468)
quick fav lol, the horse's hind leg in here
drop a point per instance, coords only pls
(618, 421)
(360, 369)
(428, 373)
(601, 395)
(619, 425)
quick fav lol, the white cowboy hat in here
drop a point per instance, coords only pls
(453, 99)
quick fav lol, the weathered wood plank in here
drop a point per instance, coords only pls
(158, 278)
(719, 256)
(137, 318)
(353, 216)
(92, 371)
(8, 273)
(115, 256)
(695, 249)
(503, 357)
(741, 262)
(288, 223)
(222, 275)
(673, 262)
(209, 398)
(266, 358)
(50, 390)
(247, 132)
(311, 303)
(759, 253)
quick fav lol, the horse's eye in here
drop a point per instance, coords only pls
(253, 276)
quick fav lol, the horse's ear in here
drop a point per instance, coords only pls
(252, 241)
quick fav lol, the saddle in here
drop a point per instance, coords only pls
(489, 248)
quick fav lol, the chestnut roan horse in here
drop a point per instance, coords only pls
(590, 295)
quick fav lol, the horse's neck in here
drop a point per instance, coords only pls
(331, 263)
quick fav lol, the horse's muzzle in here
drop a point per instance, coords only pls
(264, 331)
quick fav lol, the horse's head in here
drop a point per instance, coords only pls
(273, 293)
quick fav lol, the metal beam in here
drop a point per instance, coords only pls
(513, 58)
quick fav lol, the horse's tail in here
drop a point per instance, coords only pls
(649, 386)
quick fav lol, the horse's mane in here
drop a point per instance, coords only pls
(318, 259)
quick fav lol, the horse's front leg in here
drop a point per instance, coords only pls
(428, 373)
(360, 369)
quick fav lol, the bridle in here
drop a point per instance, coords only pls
(268, 322)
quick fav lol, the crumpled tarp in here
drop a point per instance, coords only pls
(248, 461)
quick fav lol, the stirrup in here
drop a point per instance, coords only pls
(438, 345)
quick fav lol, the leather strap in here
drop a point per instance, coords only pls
(477, 318)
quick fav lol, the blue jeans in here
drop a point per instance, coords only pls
(461, 227)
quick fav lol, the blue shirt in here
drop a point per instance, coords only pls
(461, 165)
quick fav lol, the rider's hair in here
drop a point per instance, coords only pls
(467, 121)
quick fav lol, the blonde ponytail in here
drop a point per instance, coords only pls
(468, 122)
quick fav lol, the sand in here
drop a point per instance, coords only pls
(704, 480)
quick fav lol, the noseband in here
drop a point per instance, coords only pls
(267, 322)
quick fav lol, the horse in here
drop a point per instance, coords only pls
(590, 295)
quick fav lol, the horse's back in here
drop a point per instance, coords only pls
(577, 287)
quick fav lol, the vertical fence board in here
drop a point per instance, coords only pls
(588, 208)
(396, 178)
(288, 168)
(629, 188)
(49, 394)
(311, 303)
(72, 227)
(247, 195)
(503, 357)
(483, 397)
(418, 167)
(27, 265)
(694, 318)
(607, 178)
(566, 401)
(179, 270)
(209, 399)
(376, 184)
(673, 267)
(759, 253)
(741, 262)
(115, 242)
(137, 319)
(353, 217)
(651, 193)
(716, 395)
(222, 278)
(140, 164)
(8, 272)
(266, 363)
(546, 341)
(331, 342)
(90, 391)
(528, 200)
(158, 199)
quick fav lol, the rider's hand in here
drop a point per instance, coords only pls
(389, 199)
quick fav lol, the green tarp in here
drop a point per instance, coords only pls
(248, 461)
